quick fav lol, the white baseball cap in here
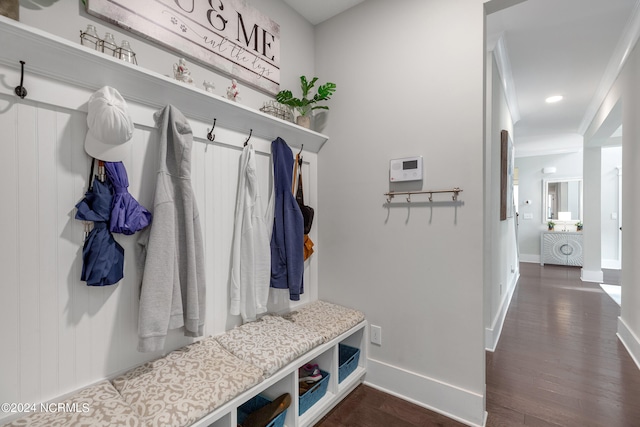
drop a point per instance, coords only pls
(110, 126)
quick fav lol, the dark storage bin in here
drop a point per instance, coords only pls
(314, 394)
(347, 361)
(256, 403)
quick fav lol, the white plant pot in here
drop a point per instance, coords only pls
(10, 9)
(304, 121)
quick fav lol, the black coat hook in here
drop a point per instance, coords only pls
(211, 136)
(20, 90)
(299, 155)
(250, 133)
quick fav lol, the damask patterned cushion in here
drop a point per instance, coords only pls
(269, 343)
(326, 319)
(187, 384)
(99, 405)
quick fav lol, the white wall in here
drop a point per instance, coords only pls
(500, 241)
(67, 18)
(530, 187)
(592, 237)
(410, 82)
(611, 161)
(58, 334)
(629, 324)
(625, 92)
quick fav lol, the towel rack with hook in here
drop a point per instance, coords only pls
(391, 194)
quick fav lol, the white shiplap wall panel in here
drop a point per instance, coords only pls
(66, 252)
(62, 335)
(80, 295)
(9, 314)
(224, 162)
(48, 239)
(27, 245)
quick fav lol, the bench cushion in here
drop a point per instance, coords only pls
(99, 405)
(326, 319)
(269, 343)
(187, 384)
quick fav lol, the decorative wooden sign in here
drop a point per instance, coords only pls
(228, 35)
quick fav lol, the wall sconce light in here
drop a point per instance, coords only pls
(550, 169)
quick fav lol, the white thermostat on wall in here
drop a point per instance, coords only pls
(406, 169)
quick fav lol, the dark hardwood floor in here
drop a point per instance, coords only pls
(558, 363)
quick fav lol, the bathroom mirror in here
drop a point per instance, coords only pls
(562, 199)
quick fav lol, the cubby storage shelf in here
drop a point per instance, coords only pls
(286, 381)
(53, 57)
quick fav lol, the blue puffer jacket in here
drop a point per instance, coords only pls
(287, 240)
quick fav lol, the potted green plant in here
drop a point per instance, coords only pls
(579, 226)
(305, 105)
(551, 224)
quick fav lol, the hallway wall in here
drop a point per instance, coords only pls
(611, 160)
(629, 323)
(410, 79)
(501, 253)
(626, 92)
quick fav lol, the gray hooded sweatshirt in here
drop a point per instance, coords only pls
(173, 283)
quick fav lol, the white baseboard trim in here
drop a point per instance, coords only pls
(629, 340)
(591, 276)
(530, 258)
(451, 401)
(492, 334)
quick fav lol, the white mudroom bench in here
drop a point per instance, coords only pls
(204, 383)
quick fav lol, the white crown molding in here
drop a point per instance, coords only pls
(620, 54)
(504, 68)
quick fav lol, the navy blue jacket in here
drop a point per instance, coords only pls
(287, 240)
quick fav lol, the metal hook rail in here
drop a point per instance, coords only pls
(390, 195)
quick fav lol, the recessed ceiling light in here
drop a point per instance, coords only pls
(552, 99)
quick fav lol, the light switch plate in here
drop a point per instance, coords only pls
(376, 334)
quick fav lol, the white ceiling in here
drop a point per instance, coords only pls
(573, 48)
(316, 11)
